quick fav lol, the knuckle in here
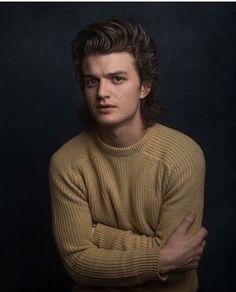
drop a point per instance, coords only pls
(205, 232)
(203, 244)
(198, 241)
(201, 251)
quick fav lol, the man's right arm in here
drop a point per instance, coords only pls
(109, 237)
(86, 262)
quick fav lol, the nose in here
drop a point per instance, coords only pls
(103, 90)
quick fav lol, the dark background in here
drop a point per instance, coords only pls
(39, 98)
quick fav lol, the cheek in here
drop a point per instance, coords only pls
(134, 93)
(88, 97)
(130, 91)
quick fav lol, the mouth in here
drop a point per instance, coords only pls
(105, 108)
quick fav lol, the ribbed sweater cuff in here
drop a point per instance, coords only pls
(148, 265)
(162, 277)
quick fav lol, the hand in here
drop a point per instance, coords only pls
(183, 251)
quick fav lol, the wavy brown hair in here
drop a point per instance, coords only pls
(121, 36)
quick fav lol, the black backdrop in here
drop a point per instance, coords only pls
(39, 98)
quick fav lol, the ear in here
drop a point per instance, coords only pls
(145, 89)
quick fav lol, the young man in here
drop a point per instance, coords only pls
(127, 194)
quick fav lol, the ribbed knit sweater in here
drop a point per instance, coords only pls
(137, 195)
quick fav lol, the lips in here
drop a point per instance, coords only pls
(105, 108)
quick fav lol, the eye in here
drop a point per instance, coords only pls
(91, 82)
(118, 80)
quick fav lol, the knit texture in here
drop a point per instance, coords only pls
(137, 195)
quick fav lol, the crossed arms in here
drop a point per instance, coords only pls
(114, 257)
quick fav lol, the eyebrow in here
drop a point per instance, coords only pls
(109, 75)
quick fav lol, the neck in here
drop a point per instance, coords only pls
(121, 136)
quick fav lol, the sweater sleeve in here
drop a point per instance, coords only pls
(109, 237)
(84, 261)
(184, 192)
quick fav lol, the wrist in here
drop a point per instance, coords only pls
(164, 261)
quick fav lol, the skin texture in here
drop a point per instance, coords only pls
(113, 80)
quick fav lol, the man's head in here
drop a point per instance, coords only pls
(116, 36)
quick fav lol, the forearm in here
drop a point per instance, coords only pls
(113, 238)
(88, 264)
(100, 267)
(106, 237)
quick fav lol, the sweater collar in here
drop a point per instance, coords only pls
(125, 151)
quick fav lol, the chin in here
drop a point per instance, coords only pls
(107, 121)
(104, 119)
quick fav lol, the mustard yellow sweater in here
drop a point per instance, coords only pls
(137, 195)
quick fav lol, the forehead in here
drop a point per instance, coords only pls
(104, 64)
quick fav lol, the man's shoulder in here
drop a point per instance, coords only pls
(171, 136)
(74, 151)
(171, 145)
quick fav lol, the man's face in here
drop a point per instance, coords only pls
(112, 89)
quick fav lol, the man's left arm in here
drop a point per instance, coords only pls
(185, 193)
